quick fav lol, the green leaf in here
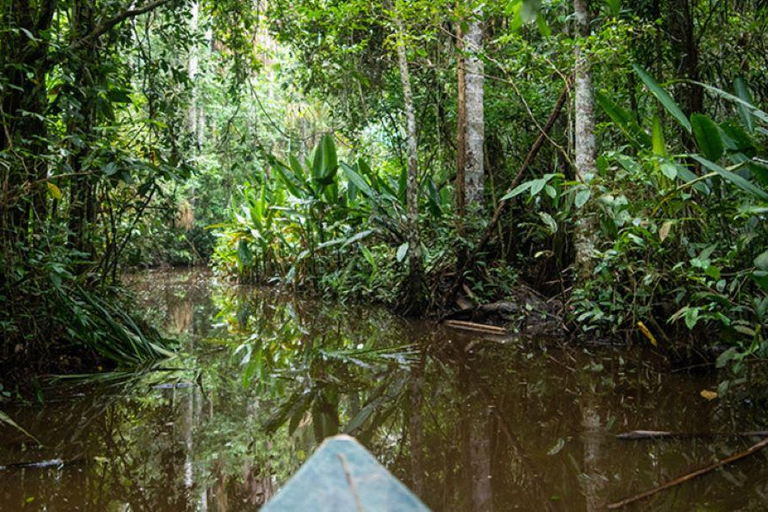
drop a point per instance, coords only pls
(624, 120)
(402, 251)
(582, 196)
(517, 190)
(669, 170)
(742, 91)
(544, 29)
(754, 111)
(761, 261)
(657, 134)
(737, 180)
(664, 97)
(687, 176)
(360, 182)
(707, 136)
(549, 221)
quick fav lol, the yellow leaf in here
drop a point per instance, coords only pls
(709, 395)
(54, 190)
(665, 229)
(647, 333)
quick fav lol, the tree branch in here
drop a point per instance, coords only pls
(109, 24)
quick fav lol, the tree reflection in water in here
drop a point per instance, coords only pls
(468, 424)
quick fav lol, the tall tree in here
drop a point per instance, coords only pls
(471, 114)
(584, 143)
(412, 185)
(685, 50)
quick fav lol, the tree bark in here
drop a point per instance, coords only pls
(475, 119)
(461, 127)
(585, 146)
(685, 49)
(412, 192)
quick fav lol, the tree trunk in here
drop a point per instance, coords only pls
(412, 192)
(475, 122)
(585, 146)
(685, 49)
(461, 127)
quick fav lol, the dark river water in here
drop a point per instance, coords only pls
(467, 423)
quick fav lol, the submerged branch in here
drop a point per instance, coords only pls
(690, 476)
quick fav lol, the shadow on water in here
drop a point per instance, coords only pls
(468, 424)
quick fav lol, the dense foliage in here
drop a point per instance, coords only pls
(619, 150)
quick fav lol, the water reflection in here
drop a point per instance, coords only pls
(468, 424)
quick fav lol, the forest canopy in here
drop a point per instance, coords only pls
(606, 156)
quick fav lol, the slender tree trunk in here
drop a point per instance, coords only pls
(584, 135)
(685, 49)
(475, 119)
(192, 68)
(412, 192)
(461, 127)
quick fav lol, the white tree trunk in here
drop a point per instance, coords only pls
(475, 116)
(412, 192)
(585, 146)
(192, 69)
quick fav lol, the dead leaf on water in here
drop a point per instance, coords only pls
(709, 395)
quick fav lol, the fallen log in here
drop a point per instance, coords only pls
(661, 434)
(690, 476)
(472, 326)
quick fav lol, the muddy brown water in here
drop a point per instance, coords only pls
(468, 423)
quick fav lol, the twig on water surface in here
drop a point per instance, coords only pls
(661, 434)
(690, 476)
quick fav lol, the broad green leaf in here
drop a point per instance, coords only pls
(517, 190)
(737, 180)
(761, 261)
(624, 120)
(358, 180)
(742, 91)
(538, 185)
(756, 112)
(687, 176)
(708, 137)
(582, 196)
(663, 96)
(669, 170)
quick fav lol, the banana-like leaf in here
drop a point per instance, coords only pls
(754, 111)
(355, 178)
(707, 135)
(663, 96)
(734, 178)
(625, 121)
(742, 91)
